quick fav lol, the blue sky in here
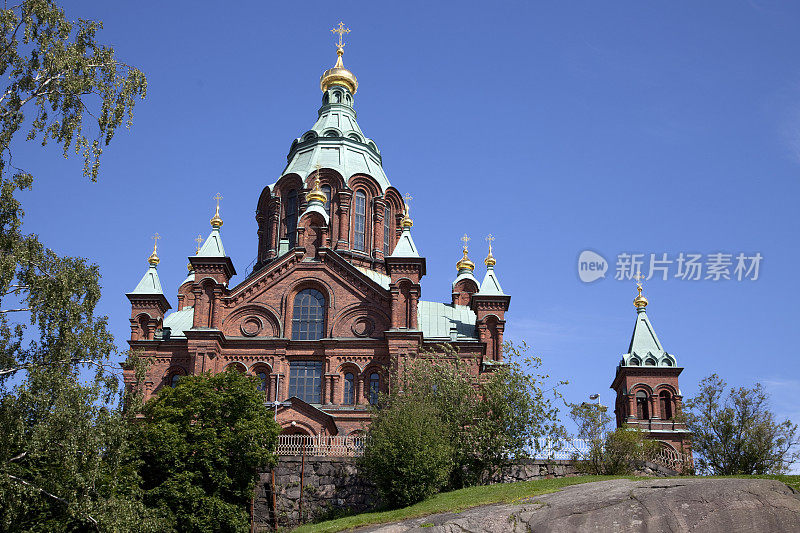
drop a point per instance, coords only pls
(657, 127)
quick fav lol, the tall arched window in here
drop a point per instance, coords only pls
(326, 190)
(173, 381)
(349, 389)
(642, 409)
(360, 222)
(290, 217)
(262, 381)
(386, 227)
(665, 399)
(374, 387)
(308, 319)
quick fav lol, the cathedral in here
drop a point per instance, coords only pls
(333, 303)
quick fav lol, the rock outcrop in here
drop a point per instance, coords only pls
(676, 505)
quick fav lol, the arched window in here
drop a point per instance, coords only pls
(633, 362)
(262, 381)
(349, 389)
(290, 217)
(642, 410)
(326, 190)
(650, 362)
(360, 221)
(386, 227)
(308, 319)
(374, 387)
(665, 399)
(173, 381)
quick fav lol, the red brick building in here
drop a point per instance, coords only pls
(646, 383)
(334, 301)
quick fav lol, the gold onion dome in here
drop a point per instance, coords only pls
(338, 75)
(640, 302)
(464, 263)
(316, 193)
(406, 222)
(216, 220)
(490, 261)
(153, 259)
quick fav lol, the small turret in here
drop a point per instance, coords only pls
(148, 303)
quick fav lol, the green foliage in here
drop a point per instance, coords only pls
(64, 461)
(611, 451)
(736, 433)
(488, 421)
(409, 457)
(201, 446)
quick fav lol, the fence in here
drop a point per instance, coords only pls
(321, 445)
(562, 449)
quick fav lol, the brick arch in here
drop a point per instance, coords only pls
(395, 200)
(270, 324)
(344, 321)
(327, 176)
(365, 182)
(286, 183)
(291, 294)
(666, 387)
(641, 387)
(237, 366)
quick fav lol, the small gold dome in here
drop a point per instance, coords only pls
(316, 193)
(153, 259)
(640, 302)
(216, 220)
(490, 261)
(338, 75)
(465, 263)
(189, 267)
(406, 222)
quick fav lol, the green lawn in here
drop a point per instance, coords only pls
(454, 501)
(458, 500)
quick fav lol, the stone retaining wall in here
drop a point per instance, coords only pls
(332, 486)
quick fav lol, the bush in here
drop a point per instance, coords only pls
(409, 457)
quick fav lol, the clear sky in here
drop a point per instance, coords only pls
(618, 127)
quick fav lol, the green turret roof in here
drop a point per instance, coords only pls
(150, 284)
(405, 245)
(645, 349)
(491, 285)
(213, 245)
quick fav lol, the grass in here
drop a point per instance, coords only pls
(455, 501)
(458, 500)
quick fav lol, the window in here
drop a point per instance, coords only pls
(305, 380)
(262, 381)
(386, 227)
(359, 225)
(290, 217)
(349, 389)
(374, 388)
(326, 190)
(642, 411)
(173, 381)
(666, 405)
(633, 362)
(650, 362)
(309, 315)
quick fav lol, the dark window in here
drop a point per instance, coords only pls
(349, 389)
(386, 227)
(374, 387)
(309, 315)
(262, 381)
(326, 190)
(290, 217)
(173, 381)
(642, 410)
(666, 405)
(359, 225)
(650, 362)
(305, 380)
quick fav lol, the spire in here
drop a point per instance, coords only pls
(464, 264)
(213, 245)
(640, 302)
(316, 199)
(645, 349)
(338, 75)
(490, 285)
(150, 283)
(405, 245)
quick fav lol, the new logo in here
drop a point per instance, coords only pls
(591, 266)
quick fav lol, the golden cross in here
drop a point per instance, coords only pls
(218, 197)
(465, 239)
(155, 241)
(341, 30)
(490, 240)
(199, 241)
(639, 277)
(407, 197)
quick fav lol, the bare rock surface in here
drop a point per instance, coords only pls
(621, 505)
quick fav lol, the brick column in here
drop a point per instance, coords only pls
(274, 219)
(413, 295)
(343, 203)
(631, 406)
(378, 208)
(216, 308)
(654, 411)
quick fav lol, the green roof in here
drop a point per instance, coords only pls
(213, 245)
(405, 246)
(491, 285)
(437, 321)
(179, 321)
(645, 349)
(150, 284)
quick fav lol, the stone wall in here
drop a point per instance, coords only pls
(332, 486)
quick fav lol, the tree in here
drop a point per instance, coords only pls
(201, 446)
(489, 420)
(410, 456)
(62, 443)
(736, 433)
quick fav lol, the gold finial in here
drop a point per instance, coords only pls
(490, 260)
(216, 221)
(316, 192)
(407, 222)
(464, 263)
(153, 259)
(199, 241)
(338, 75)
(640, 302)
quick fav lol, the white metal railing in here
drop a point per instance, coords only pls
(673, 459)
(561, 449)
(321, 445)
